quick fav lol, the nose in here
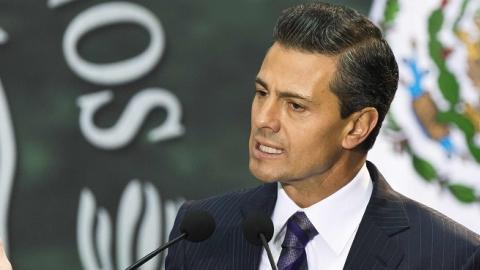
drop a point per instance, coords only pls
(266, 114)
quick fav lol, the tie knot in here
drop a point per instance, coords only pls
(299, 231)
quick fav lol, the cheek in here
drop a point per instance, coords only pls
(253, 111)
(317, 152)
(316, 140)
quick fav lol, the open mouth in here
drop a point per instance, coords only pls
(268, 149)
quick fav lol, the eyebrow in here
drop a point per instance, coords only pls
(285, 94)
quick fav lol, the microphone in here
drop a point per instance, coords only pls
(196, 226)
(258, 230)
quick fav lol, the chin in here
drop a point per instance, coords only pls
(262, 175)
(266, 180)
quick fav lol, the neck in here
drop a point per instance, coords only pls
(306, 192)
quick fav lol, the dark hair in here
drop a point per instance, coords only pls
(367, 73)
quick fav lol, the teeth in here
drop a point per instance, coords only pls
(269, 150)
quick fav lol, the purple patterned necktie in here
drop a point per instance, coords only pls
(299, 232)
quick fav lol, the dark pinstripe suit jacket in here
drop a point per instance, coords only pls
(395, 233)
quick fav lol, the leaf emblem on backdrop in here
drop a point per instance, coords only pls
(143, 223)
(435, 117)
(7, 162)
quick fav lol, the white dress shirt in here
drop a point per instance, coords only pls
(336, 219)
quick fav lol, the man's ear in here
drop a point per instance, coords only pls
(360, 126)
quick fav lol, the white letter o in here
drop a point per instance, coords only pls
(119, 72)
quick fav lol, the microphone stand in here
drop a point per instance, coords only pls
(269, 253)
(155, 252)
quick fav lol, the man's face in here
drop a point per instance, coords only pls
(296, 128)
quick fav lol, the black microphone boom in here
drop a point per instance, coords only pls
(258, 230)
(157, 251)
(196, 226)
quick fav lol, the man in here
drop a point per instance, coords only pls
(322, 92)
(4, 263)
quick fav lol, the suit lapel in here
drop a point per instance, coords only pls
(374, 246)
(262, 200)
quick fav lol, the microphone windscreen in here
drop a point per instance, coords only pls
(198, 225)
(256, 224)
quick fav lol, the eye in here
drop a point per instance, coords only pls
(296, 107)
(260, 93)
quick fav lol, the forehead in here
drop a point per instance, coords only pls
(291, 69)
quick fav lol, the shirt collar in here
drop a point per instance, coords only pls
(336, 217)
